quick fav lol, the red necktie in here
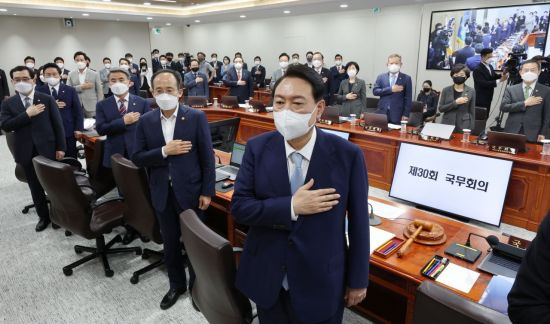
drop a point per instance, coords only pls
(122, 108)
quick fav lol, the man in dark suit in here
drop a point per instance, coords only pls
(196, 82)
(155, 59)
(318, 65)
(309, 59)
(337, 74)
(294, 189)
(395, 91)
(529, 298)
(239, 80)
(35, 119)
(464, 53)
(239, 55)
(135, 81)
(473, 62)
(60, 62)
(217, 65)
(134, 68)
(170, 63)
(68, 103)
(258, 73)
(4, 89)
(486, 79)
(528, 105)
(174, 144)
(30, 62)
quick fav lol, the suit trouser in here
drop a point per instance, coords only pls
(283, 312)
(71, 147)
(171, 234)
(37, 192)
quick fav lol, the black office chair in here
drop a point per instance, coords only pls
(19, 172)
(372, 104)
(101, 178)
(416, 116)
(197, 101)
(139, 212)
(480, 120)
(72, 210)
(435, 302)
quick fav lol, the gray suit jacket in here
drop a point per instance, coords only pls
(89, 97)
(356, 106)
(277, 74)
(535, 120)
(104, 78)
(461, 116)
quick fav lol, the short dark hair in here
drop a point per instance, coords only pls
(428, 82)
(460, 67)
(307, 74)
(531, 61)
(354, 64)
(201, 53)
(162, 56)
(295, 54)
(226, 57)
(123, 59)
(257, 57)
(478, 48)
(59, 59)
(214, 54)
(176, 75)
(119, 70)
(322, 56)
(538, 58)
(337, 55)
(169, 54)
(240, 57)
(284, 54)
(51, 66)
(468, 41)
(309, 52)
(29, 58)
(20, 68)
(181, 54)
(128, 55)
(193, 60)
(238, 53)
(87, 58)
(486, 51)
(78, 53)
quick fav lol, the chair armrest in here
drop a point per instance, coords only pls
(95, 204)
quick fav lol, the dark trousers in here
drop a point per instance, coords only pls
(71, 147)
(283, 312)
(171, 234)
(37, 192)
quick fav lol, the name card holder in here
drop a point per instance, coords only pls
(503, 149)
(325, 121)
(373, 129)
(227, 106)
(430, 138)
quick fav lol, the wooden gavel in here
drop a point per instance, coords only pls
(421, 225)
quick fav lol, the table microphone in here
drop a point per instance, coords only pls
(505, 249)
(373, 219)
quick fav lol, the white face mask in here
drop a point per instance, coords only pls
(52, 81)
(81, 65)
(529, 76)
(29, 65)
(317, 63)
(42, 78)
(166, 101)
(291, 124)
(283, 64)
(238, 66)
(257, 62)
(393, 68)
(119, 88)
(124, 66)
(295, 60)
(338, 63)
(352, 73)
(60, 65)
(107, 65)
(156, 55)
(23, 87)
(163, 62)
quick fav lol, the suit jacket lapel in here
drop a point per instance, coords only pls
(278, 167)
(180, 122)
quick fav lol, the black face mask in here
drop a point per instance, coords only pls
(459, 79)
(169, 59)
(427, 90)
(309, 59)
(195, 69)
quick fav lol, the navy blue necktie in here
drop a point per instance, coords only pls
(54, 93)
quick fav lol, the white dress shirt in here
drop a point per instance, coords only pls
(306, 152)
(82, 76)
(31, 95)
(168, 125)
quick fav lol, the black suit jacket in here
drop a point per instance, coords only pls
(43, 133)
(484, 84)
(4, 90)
(218, 67)
(529, 299)
(258, 78)
(325, 73)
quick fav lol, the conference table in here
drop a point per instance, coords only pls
(528, 196)
(263, 95)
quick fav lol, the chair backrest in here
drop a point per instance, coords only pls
(416, 116)
(69, 207)
(481, 113)
(196, 101)
(480, 120)
(433, 301)
(213, 260)
(230, 102)
(132, 184)
(101, 177)
(10, 141)
(372, 102)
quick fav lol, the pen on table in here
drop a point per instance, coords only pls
(435, 269)
(429, 265)
(385, 244)
(436, 273)
(435, 265)
(440, 268)
(393, 246)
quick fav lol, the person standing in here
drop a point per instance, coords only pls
(104, 77)
(352, 92)
(429, 97)
(195, 81)
(34, 118)
(457, 102)
(239, 80)
(294, 190)
(217, 65)
(318, 65)
(277, 74)
(64, 72)
(486, 79)
(395, 91)
(258, 73)
(87, 84)
(4, 89)
(175, 146)
(338, 74)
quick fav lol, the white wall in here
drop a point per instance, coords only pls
(46, 38)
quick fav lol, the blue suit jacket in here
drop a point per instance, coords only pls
(137, 84)
(473, 62)
(193, 88)
(312, 251)
(463, 54)
(395, 105)
(120, 137)
(193, 174)
(73, 119)
(243, 92)
(336, 79)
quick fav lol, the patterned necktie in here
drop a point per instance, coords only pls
(27, 102)
(122, 108)
(526, 92)
(392, 80)
(239, 75)
(54, 93)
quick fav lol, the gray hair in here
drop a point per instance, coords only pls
(119, 70)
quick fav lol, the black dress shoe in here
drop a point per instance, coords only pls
(42, 224)
(55, 226)
(171, 297)
(129, 236)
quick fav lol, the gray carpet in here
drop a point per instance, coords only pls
(33, 288)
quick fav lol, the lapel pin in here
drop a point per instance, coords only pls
(134, 104)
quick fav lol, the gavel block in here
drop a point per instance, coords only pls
(422, 232)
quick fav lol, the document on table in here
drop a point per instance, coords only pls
(385, 210)
(458, 277)
(394, 126)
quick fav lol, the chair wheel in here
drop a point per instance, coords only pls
(77, 250)
(67, 271)
(134, 279)
(68, 233)
(139, 251)
(25, 210)
(109, 273)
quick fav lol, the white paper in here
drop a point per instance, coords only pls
(385, 210)
(89, 123)
(394, 126)
(458, 277)
(378, 237)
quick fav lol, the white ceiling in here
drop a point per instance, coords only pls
(300, 7)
